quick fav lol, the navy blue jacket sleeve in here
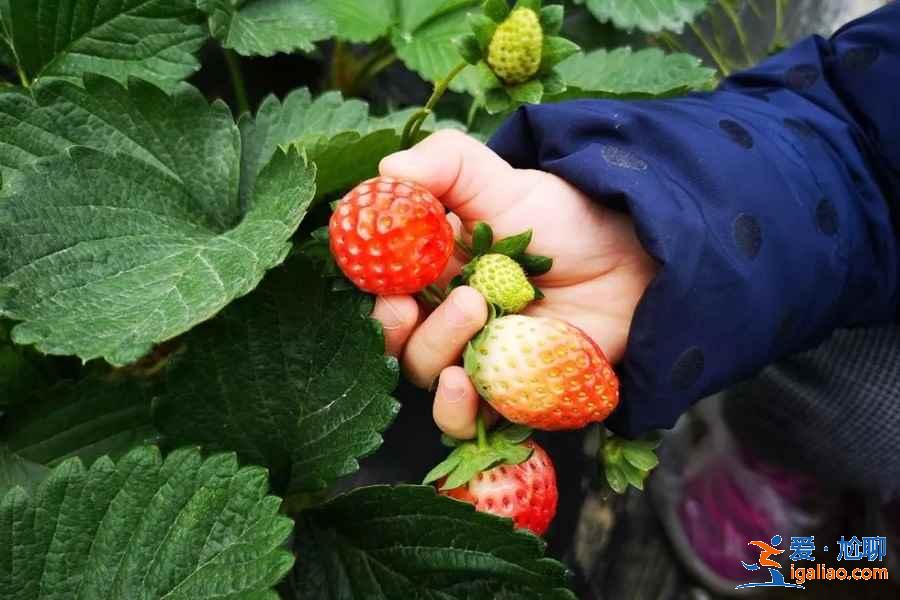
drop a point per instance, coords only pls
(768, 204)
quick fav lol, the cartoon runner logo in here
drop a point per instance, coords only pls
(767, 551)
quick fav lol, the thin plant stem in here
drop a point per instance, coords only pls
(414, 124)
(378, 62)
(337, 59)
(22, 77)
(237, 80)
(671, 42)
(473, 112)
(779, 22)
(720, 60)
(729, 11)
(428, 297)
(463, 247)
(482, 431)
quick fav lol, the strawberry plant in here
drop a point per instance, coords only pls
(185, 377)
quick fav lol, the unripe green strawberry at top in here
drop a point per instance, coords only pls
(390, 236)
(525, 492)
(502, 281)
(542, 372)
(514, 52)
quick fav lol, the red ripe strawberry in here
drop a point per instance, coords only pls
(525, 492)
(542, 372)
(390, 236)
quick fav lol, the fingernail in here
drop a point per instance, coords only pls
(453, 391)
(393, 319)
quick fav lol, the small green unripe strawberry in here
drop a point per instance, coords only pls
(514, 52)
(502, 281)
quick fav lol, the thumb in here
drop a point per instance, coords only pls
(464, 174)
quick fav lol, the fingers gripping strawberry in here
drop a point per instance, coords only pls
(542, 372)
(390, 237)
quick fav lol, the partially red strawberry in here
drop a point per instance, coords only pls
(525, 492)
(390, 236)
(542, 372)
(502, 472)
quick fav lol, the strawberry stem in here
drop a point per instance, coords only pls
(237, 80)
(414, 124)
(482, 431)
(428, 297)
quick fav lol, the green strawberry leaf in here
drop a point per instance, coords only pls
(469, 458)
(154, 40)
(449, 442)
(534, 5)
(483, 29)
(445, 467)
(535, 264)
(497, 101)
(634, 476)
(166, 265)
(650, 16)
(369, 543)
(266, 27)
(616, 478)
(622, 72)
(318, 251)
(144, 528)
(529, 92)
(628, 461)
(496, 10)
(18, 373)
(514, 454)
(15, 471)
(87, 419)
(468, 47)
(513, 246)
(339, 135)
(556, 50)
(144, 210)
(553, 83)
(471, 464)
(423, 38)
(293, 377)
(457, 281)
(139, 121)
(640, 458)
(552, 19)
(357, 21)
(514, 434)
(482, 238)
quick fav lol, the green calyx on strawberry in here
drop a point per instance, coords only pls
(504, 474)
(469, 458)
(516, 51)
(628, 462)
(500, 270)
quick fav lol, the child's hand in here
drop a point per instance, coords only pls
(600, 270)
